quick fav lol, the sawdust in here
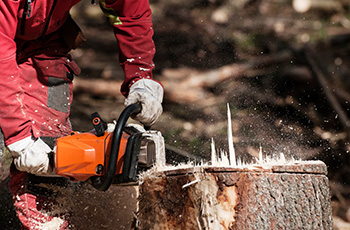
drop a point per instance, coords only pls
(86, 208)
(113, 209)
(54, 224)
(225, 159)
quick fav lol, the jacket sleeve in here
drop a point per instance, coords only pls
(13, 122)
(132, 23)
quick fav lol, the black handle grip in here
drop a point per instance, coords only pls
(103, 183)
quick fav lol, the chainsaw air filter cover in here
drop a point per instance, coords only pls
(83, 155)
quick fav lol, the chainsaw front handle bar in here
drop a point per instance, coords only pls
(104, 182)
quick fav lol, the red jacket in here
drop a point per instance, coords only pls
(132, 26)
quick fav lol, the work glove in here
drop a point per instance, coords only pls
(31, 155)
(150, 94)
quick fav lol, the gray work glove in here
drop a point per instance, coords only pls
(31, 155)
(150, 94)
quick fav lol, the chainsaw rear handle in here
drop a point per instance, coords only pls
(103, 183)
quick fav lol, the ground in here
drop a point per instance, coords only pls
(282, 73)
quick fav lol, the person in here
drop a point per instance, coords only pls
(37, 74)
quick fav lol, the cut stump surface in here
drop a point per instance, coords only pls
(286, 196)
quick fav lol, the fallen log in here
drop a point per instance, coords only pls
(293, 196)
(98, 87)
(186, 85)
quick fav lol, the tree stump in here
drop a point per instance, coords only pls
(288, 196)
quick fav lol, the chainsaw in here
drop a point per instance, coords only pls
(103, 157)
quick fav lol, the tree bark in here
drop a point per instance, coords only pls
(292, 196)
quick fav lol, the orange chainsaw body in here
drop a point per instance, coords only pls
(80, 156)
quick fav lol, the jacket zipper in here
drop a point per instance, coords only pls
(27, 11)
(48, 18)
